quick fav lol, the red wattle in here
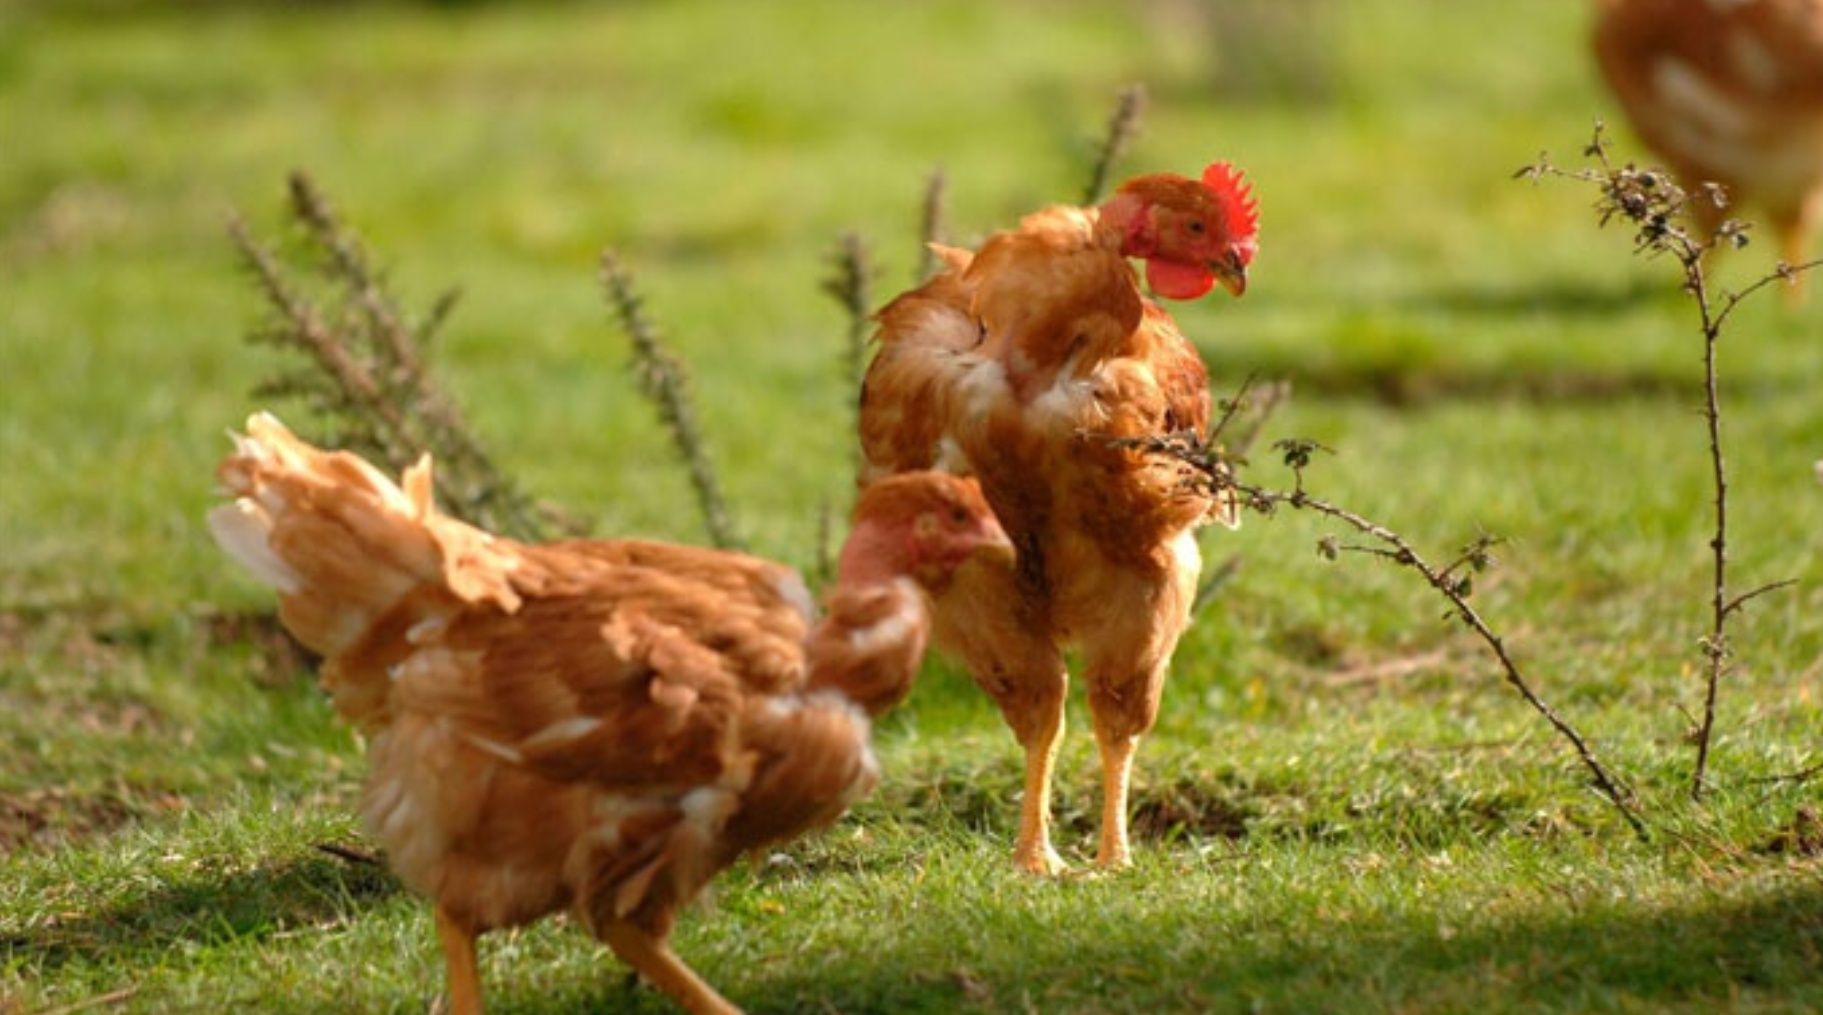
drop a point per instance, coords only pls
(1176, 280)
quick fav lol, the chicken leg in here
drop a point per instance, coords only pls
(1033, 852)
(655, 960)
(1794, 227)
(1125, 671)
(983, 621)
(459, 957)
(1116, 775)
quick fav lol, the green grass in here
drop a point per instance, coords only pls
(1314, 837)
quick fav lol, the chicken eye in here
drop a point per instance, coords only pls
(958, 515)
(1196, 226)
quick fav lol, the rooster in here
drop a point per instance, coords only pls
(1025, 364)
(592, 725)
(1729, 92)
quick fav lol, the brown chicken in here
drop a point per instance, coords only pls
(1730, 92)
(1019, 365)
(597, 726)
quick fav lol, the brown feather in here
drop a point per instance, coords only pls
(597, 724)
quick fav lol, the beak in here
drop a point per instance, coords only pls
(1231, 272)
(994, 546)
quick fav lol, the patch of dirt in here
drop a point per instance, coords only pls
(1803, 837)
(52, 817)
(71, 638)
(69, 219)
(12, 633)
(1186, 808)
(1309, 643)
(280, 659)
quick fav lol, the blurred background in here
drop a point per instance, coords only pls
(1483, 357)
(722, 146)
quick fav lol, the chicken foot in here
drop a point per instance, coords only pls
(459, 956)
(654, 959)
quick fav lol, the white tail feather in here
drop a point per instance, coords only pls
(241, 528)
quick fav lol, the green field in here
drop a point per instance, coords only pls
(1343, 808)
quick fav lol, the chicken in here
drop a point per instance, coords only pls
(1729, 92)
(592, 725)
(1020, 365)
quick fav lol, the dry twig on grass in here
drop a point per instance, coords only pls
(1653, 203)
(1250, 409)
(1216, 473)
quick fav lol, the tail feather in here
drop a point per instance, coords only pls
(342, 542)
(241, 528)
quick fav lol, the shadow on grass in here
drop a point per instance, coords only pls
(1415, 385)
(1760, 952)
(1558, 297)
(1383, 354)
(205, 910)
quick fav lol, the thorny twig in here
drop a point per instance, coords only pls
(1216, 473)
(1800, 776)
(368, 376)
(662, 379)
(1254, 409)
(349, 853)
(850, 283)
(930, 223)
(112, 997)
(1123, 126)
(1654, 203)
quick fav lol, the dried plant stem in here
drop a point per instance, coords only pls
(1715, 647)
(1253, 409)
(1452, 589)
(1442, 580)
(1650, 200)
(307, 326)
(370, 376)
(1216, 472)
(349, 262)
(112, 997)
(661, 377)
(1123, 126)
(930, 225)
(1802, 775)
(850, 283)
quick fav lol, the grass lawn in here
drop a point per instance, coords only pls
(1343, 808)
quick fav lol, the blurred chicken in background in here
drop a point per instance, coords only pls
(1730, 92)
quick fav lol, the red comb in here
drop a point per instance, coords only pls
(1239, 209)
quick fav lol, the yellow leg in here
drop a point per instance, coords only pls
(654, 960)
(459, 956)
(1116, 775)
(1794, 244)
(1033, 852)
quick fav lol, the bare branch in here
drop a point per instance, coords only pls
(1741, 600)
(1800, 776)
(1653, 203)
(1217, 474)
(1787, 273)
